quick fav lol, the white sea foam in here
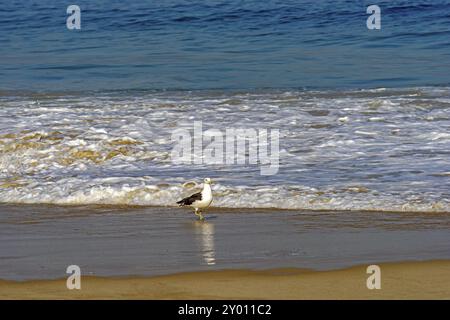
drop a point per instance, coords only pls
(139, 191)
(355, 150)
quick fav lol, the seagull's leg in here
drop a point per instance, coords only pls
(196, 213)
(201, 216)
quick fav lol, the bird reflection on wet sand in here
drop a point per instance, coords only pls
(204, 232)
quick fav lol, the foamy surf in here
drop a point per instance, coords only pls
(140, 192)
(381, 150)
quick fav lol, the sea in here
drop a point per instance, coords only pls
(87, 116)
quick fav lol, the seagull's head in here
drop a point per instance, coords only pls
(207, 181)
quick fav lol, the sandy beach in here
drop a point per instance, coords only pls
(164, 253)
(409, 280)
(314, 137)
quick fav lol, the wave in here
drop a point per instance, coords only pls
(140, 192)
(378, 150)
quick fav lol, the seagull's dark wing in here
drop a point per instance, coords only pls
(189, 200)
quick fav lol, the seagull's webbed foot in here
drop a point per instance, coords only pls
(198, 213)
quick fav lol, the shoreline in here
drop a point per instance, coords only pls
(39, 242)
(125, 206)
(399, 280)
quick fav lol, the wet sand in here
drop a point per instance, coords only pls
(131, 252)
(411, 280)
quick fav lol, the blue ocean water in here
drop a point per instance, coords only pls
(232, 44)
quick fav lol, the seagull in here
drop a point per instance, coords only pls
(199, 200)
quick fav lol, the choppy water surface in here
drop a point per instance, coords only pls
(232, 44)
(384, 149)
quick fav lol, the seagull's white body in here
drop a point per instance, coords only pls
(199, 200)
(206, 198)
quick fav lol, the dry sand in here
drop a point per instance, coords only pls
(407, 280)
